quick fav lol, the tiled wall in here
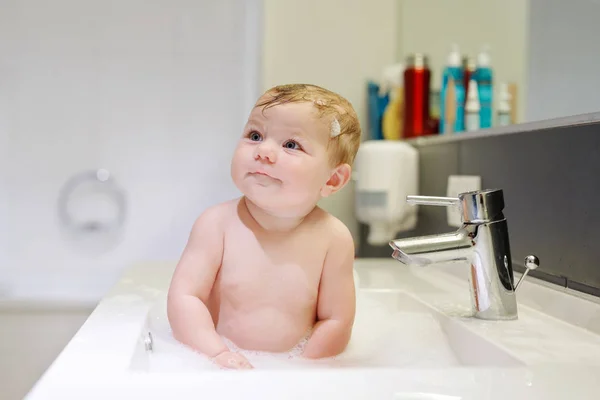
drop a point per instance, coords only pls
(155, 92)
(551, 191)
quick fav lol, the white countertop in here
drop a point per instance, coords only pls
(557, 339)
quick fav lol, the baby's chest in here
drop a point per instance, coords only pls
(249, 278)
(271, 270)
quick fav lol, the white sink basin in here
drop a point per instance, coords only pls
(392, 330)
(411, 334)
(413, 339)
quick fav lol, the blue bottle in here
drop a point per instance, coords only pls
(377, 105)
(453, 69)
(484, 77)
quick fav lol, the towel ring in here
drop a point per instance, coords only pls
(104, 181)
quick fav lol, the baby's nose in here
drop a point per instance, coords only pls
(266, 151)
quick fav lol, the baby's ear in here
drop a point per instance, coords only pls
(338, 179)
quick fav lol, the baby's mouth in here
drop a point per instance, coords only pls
(263, 177)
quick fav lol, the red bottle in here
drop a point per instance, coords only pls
(417, 77)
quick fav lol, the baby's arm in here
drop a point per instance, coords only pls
(192, 282)
(337, 299)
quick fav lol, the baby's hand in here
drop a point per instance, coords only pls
(231, 360)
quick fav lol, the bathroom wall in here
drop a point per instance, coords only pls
(550, 184)
(563, 58)
(338, 44)
(501, 24)
(3, 193)
(155, 92)
(30, 340)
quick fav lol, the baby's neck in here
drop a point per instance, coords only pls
(270, 222)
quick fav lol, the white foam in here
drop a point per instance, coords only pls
(168, 354)
(380, 337)
(336, 129)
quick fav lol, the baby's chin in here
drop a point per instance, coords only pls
(281, 205)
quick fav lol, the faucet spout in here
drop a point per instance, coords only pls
(432, 249)
(485, 248)
(481, 243)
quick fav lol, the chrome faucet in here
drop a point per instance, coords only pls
(481, 241)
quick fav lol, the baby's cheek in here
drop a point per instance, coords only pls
(237, 165)
(306, 183)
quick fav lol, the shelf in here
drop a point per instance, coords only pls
(573, 120)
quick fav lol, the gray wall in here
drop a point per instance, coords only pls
(551, 191)
(564, 54)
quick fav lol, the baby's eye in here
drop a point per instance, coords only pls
(255, 136)
(292, 144)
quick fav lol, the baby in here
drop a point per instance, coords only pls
(266, 269)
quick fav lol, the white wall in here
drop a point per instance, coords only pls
(3, 187)
(432, 26)
(30, 340)
(156, 92)
(564, 58)
(337, 44)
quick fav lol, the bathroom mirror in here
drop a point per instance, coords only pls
(545, 49)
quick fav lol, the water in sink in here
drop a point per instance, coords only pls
(392, 329)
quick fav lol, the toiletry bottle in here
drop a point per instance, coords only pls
(391, 121)
(417, 79)
(469, 67)
(434, 111)
(472, 108)
(453, 69)
(450, 107)
(483, 76)
(376, 105)
(504, 110)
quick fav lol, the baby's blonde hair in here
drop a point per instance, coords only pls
(343, 146)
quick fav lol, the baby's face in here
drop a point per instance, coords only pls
(281, 162)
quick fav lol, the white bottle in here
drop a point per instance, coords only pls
(484, 76)
(504, 109)
(472, 107)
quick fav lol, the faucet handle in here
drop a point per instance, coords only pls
(433, 201)
(531, 263)
(479, 206)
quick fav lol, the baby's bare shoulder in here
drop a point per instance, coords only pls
(216, 216)
(334, 230)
